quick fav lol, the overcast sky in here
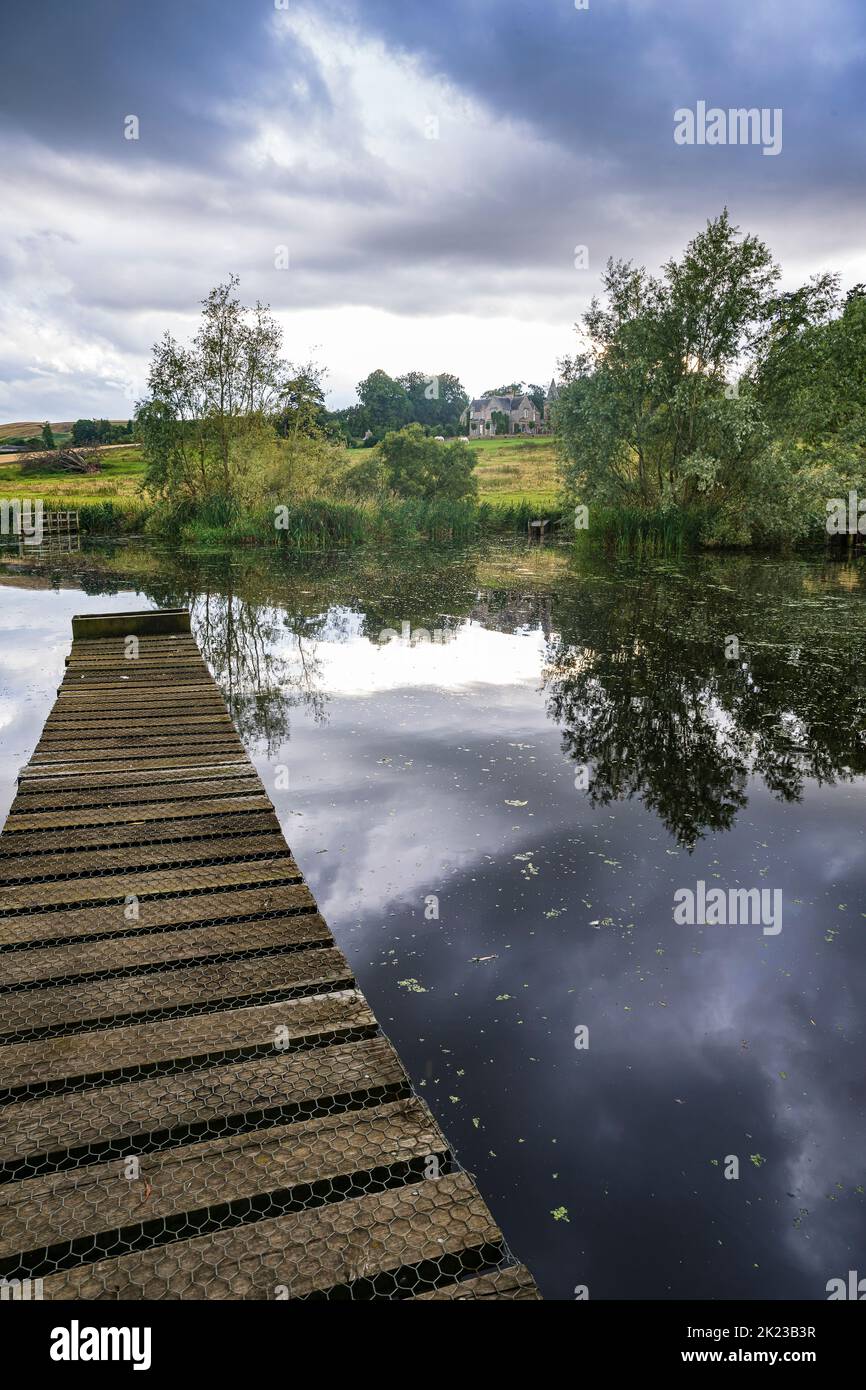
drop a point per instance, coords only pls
(268, 124)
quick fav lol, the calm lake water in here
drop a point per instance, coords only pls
(579, 739)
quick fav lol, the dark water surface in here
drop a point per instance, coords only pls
(575, 744)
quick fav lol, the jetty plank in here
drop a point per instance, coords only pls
(197, 1099)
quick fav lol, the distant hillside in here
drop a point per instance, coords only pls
(26, 428)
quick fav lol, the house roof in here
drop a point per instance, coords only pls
(508, 404)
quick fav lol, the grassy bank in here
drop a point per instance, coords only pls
(516, 480)
(321, 524)
(117, 482)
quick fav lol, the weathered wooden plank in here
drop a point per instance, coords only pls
(225, 803)
(176, 669)
(134, 1110)
(146, 856)
(301, 1252)
(129, 769)
(186, 989)
(107, 743)
(29, 801)
(124, 652)
(41, 781)
(514, 1281)
(121, 695)
(31, 843)
(77, 709)
(98, 1197)
(149, 641)
(116, 642)
(196, 909)
(147, 659)
(87, 626)
(82, 960)
(281, 868)
(53, 1060)
(147, 724)
(111, 755)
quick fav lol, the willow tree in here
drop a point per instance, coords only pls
(651, 415)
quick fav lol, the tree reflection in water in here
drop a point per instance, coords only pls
(638, 680)
(264, 661)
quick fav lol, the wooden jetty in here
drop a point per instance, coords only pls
(197, 1100)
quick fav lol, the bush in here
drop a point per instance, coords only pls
(419, 467)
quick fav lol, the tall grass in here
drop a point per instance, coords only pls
(634, 531)
(114, 517)
(325, 524)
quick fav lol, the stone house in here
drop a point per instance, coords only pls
(524, 417)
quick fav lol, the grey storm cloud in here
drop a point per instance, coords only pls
(611, 76)
(257, 130)
(72, 73)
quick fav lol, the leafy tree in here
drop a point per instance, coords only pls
(436, 401)
(500, 421)
(417, 466)
(810, 373)
(89, 432)
(48, 436)
(204, 401)
(84, 432)
(348, 424)
(303, 407)
(385, 403)
(653, 417)
(515, 389)
(367, 477)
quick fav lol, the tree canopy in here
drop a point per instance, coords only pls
(697, 389)
(434, 400)
(418, 466)
(208, 401)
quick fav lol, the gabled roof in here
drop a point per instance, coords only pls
(505, 403)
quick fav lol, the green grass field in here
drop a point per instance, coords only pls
(514, 469)
(510, 471)
(118, 479)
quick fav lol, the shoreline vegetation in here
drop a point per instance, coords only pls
(704, 408)
(516, 483)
